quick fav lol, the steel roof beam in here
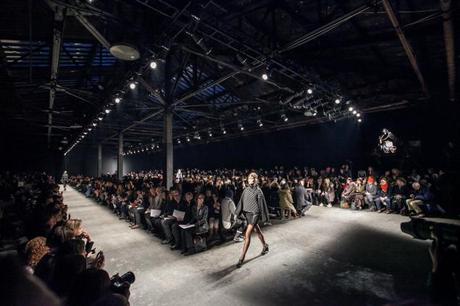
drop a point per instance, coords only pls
(58, 30)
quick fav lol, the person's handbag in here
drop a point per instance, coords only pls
(199, 243)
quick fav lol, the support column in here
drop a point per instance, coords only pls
(168, 149)
(99, 160)
(120, 157)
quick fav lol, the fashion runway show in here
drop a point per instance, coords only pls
(312, 261)
(229, 152)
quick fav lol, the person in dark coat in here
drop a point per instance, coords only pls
(253, 207)
(301, 198)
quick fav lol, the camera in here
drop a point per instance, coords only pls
(120, 284)
(446, 230)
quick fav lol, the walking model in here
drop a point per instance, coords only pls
(253, 207)
(65, 179)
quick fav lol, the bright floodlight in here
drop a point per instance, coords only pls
(224, 132)
(359, 120)
(153, 65)
(100, 118)
(309, 91)
(94, 123)
(354, 112)
(132, 85)
(358, 115)
(350, 109)
(337, 101)
(107, 111)
(117, 100)
(264, 76)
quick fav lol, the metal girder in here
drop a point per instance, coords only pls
(135, 124)
(151, 90)
(446, 7)
(89, 26)
(406, 45)
(323, 29)
(58, 29)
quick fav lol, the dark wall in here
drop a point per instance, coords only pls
(331, 143)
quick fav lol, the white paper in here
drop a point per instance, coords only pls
(179, 215)
(155, 212)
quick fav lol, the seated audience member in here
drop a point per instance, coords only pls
(17, 287)
(137, 210)
(168, 219)
(399, 194)
(358, 197)
(301, 196)
(327, 193)
(34, 251)
(89, 286)
(370, 193)
(186, 206)
(274, 194)
(200, 221)
(347, 193)
(310, 187)
(383, 198)
(155, 203)
(214, 217)
(286, 202)
(418, 197)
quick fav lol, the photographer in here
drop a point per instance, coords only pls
(444, 278)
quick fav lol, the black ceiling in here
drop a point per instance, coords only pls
(211, 55)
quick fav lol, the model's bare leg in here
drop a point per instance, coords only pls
(260, 234)
(247, 241)
(262, 239)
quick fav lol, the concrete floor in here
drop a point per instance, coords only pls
(331, 257)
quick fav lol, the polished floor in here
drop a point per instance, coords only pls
(330, 257)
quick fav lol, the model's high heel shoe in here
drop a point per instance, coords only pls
(240, 263)
(264, 250)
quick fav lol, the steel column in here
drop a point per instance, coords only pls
(446, 7)
(120, 157)
(58, 29)
(99, 160)
(168, 149)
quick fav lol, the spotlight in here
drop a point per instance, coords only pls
(89, 129)
(94, 123)
(153, 65)
(358, 115)
(188, 139)
(337, 101)
(264, 76)
(359, 120)
(315, 112)
(354, 112)
(284, 118)
(260, 123)
(132, 85)
(85, 133)
(224, 131)
(117, 100)
(350, 109)
(309, 91)
(178, 141)
(99, 118)
(107, 110)
(210, 134)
